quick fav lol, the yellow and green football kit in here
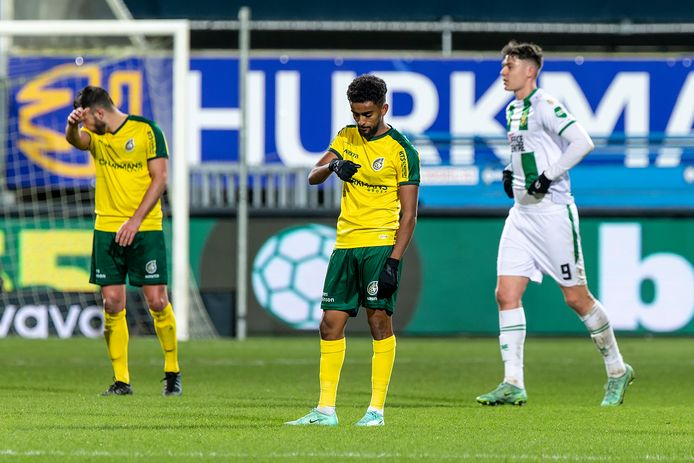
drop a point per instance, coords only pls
(366, 232)
(369, 217)
(370, 206)
(122, 179)
(122, 176)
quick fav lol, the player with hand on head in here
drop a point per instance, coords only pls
(541, 234)
(379, 168)
(131, 159)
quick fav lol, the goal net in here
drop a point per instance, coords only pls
(47, 187)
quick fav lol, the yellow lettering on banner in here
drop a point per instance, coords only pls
(7, 284)
(46, 146)
(133, 81)
(39, 251)
(37, 98)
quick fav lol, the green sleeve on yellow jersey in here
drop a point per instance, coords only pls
(156, 143)
(338, 144)
(408, 157)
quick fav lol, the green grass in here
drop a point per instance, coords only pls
(238, 394)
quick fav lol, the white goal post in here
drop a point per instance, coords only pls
(179, 181)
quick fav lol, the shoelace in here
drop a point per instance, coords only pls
(612, 385)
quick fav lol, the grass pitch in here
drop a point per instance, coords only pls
(238, 394)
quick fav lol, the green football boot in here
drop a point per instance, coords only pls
(314, 417)
(371, 418)
(505, 393)
(616, 387)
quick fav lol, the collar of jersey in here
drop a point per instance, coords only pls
(387, 132)
(526, 100)
(121, 126)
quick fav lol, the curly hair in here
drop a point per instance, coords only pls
(365, 88)
(524, 51)
(91, 96)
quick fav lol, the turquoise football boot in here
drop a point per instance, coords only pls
(505, 393)
(371, 418)
(314, 417)
(616, 387)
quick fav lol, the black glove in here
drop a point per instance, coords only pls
(540, 185)
(388, 279)
(344, 169)
(508, 182)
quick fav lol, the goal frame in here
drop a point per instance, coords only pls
(179, 30)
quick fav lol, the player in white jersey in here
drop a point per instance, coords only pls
(541, 234)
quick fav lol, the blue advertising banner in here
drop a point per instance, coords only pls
(637, 110)
(42, 91)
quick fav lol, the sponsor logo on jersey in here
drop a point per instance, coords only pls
(378, 164)
(130, 145)
(327, 298)
(351, 153)
(403, 164)
(370, 187)
(559, 111)
(517, 145)
(372, 288)
(127, 166)
(151, 143)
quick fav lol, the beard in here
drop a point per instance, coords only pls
(368, 134)
(99, 127)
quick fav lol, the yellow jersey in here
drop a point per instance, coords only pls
(370, 205)
(122, 174)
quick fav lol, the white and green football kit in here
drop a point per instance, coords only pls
(541, 234)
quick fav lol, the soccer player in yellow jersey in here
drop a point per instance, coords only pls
(379, 168)
(131, 159)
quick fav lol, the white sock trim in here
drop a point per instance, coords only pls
(326, 410)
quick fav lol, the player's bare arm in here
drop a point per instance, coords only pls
(76, 137)
(409, 195)
(158, 171)
(321, 171)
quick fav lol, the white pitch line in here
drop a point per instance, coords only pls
(354, 455)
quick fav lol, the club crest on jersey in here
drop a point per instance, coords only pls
(372, 288)
(524, 120)
(151, 266)
(378, 164)
(130, 145)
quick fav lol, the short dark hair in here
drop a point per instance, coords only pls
(524, 51)
(365, 88)
(91, 96)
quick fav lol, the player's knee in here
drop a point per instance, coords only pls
(506, 299)
(156, 304)
(113, 304)
(579, 302)
(156, 298)
(330, 331)
(380, 325)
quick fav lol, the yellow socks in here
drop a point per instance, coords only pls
(381, 369)
(165, 326)
(116, 334)
(332, 356)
